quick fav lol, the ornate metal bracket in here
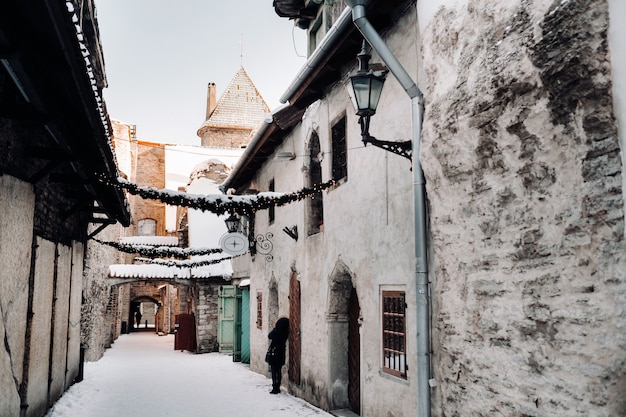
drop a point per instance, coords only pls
(263, 244)
(404, 148)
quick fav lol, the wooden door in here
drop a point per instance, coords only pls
(294, 329)
(226, 318)
(354, 354)
(245, 325)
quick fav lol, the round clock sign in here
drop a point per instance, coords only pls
(234, 243)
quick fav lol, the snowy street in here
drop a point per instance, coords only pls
(142, 375)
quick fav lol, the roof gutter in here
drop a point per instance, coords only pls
(419, 194)
(327, 43)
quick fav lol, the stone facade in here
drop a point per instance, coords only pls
(231, 121)
(100, 319)
(523, 167)
(206, 312)
(529, 253)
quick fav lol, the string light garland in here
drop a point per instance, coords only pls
(183, 264)
(218, 203)
(159, 251)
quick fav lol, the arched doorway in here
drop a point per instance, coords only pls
(147, 308)
(343, 317)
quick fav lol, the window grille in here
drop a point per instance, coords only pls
(394, 333)
(272, 209)
(259, 310)
(340, 150)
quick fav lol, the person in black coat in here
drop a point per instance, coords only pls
(278, 337)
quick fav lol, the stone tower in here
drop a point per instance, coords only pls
(231, 121)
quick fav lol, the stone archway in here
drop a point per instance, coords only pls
(147, 305)
(339, 329)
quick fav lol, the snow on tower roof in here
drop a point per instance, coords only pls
(240, 107)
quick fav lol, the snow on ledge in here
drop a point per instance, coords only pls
(150, 240)
(154, 271)
(147, 271)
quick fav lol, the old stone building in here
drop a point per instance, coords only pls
(54, 135)
(507, 298)
(231, 121)
(198, 291)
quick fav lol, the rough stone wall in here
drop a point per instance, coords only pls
(206, 317)
(524, 183)
(96, 318)
(225, 138)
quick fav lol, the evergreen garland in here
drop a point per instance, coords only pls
(219, 203)
(159, 251)
(183, 264)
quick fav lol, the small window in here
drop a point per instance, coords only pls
(316, 202)
(272, 209)
(394, 333)
(146, 227)
(340, 150)
(259, 310)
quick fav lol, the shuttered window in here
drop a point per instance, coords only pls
(394, 333)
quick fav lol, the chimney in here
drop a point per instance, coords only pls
(210, 100)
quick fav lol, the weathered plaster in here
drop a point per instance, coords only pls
(39, 348)
(17, 202)
(60, 310)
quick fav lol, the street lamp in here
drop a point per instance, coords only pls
(364, 90)
(232, 223)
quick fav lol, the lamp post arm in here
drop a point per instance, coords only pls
(404, 148)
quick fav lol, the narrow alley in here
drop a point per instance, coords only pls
(142, 375)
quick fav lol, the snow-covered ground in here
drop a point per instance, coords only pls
(142, 375)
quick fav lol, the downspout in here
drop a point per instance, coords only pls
(419, 197)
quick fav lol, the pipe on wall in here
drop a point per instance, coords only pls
(419, 195)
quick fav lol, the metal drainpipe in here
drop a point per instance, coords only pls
(419, 196)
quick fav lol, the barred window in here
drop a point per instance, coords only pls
(340, 150)
(271, 210)
(394, 333)
(259, 310)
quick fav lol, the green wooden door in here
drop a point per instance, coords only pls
(237, 330)
(245, 325)
(226, 318)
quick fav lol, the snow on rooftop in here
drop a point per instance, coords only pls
(147, 271)
(150, 240)
(155, 271)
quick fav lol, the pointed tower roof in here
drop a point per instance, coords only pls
(240, 107)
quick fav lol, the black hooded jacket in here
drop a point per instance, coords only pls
(279, 336)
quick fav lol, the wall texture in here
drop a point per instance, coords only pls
(523, 172)
(17, 203)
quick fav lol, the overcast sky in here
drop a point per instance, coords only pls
(160, 56)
